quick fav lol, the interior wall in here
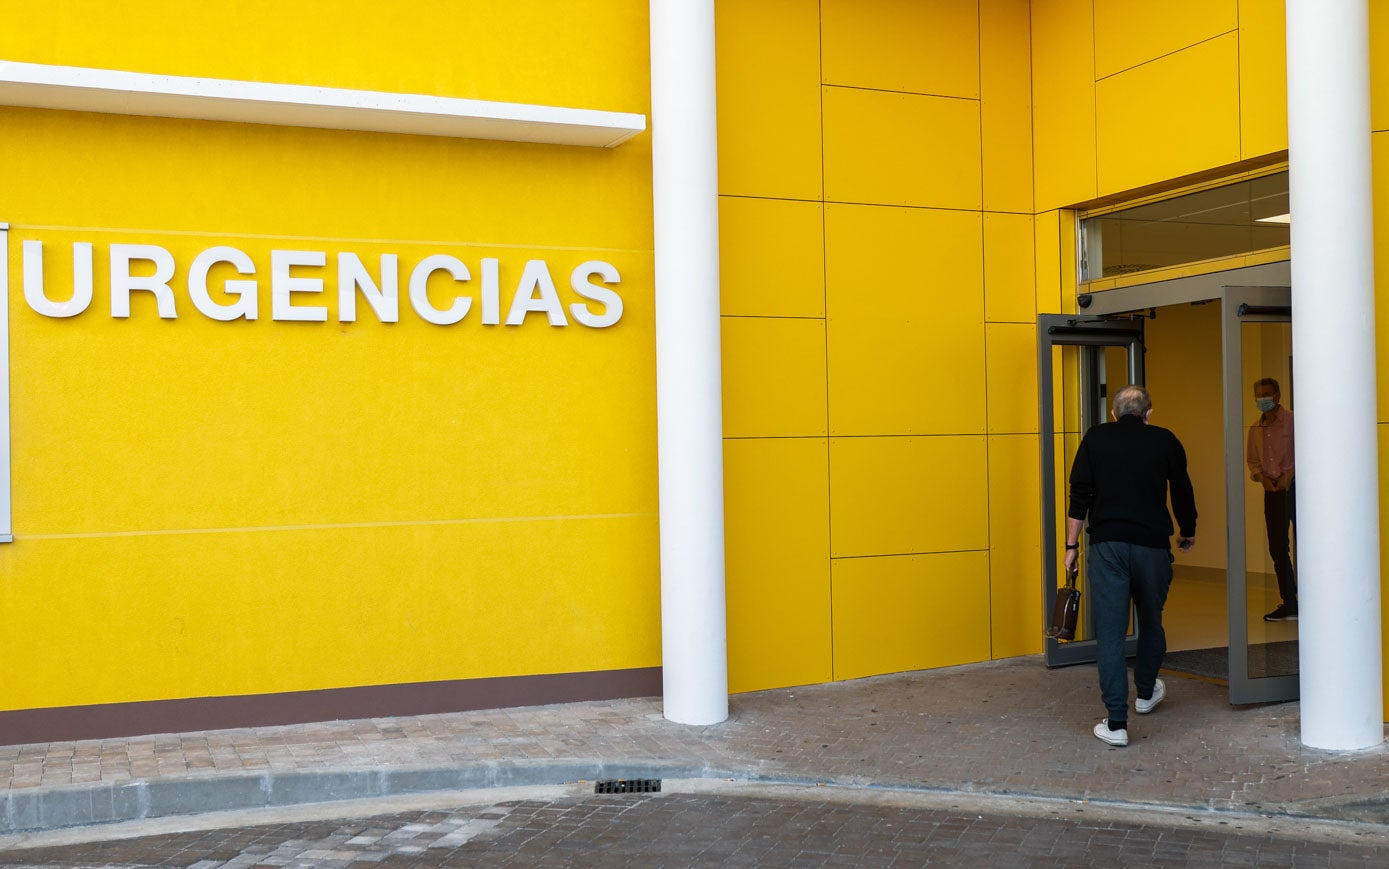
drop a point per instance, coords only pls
(1184, 376)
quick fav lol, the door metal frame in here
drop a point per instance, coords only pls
(1266, 286)
(1075, 331)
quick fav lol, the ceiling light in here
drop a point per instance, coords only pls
(1277, 218)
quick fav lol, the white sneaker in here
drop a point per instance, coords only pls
(1146, 706)
(1113, 737)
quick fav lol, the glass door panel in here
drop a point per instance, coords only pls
(1258, 348)
(1082, 362)
(1272, 645)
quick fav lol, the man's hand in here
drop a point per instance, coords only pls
(1269, 485)
(1072, 556)
(1185, 543)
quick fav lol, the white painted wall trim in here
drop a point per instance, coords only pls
(6, 528)
(84, 89)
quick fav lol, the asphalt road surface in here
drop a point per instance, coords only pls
(713, 826)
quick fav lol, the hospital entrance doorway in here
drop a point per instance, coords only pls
(1199, 345)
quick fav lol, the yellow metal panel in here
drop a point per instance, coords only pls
(1171, 117)
(1069, 249)
(1005, 78)
(1379, 66)
(901, 149)
(1010, 284)
(889, 613)
(773, 377)
(1063, 449)
(769, 98)
(1015, 548)
(771, 257)
(923, 46)
(1049, 253)
(1263, 77)
(361, 44)
(1063, 102)
(776, 515)
(899, 495)
(1012, 351)
(150, 617)
(1379, 150)
(1383, 553)
(1130, 32)
(906, 309)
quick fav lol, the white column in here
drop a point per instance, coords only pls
(688, 390)
(1334, 373)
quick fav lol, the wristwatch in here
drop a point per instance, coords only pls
(1072, 545)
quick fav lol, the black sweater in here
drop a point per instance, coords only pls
(1120, 480)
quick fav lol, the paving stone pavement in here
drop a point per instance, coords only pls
(690, 829)
(1007, 727)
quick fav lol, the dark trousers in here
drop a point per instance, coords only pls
(1120, 573)
(1280, 511)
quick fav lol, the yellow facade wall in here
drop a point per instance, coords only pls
(1015, 549)
(909, 612)
(1005, 105)
(1132, 94)
(769, 99)
(224, 508)
(371, 46)
(905, 308)
(776, 503)
(1263, 78)
(1129, 34)
(1063, 103)
(927, 47)
(925, 234)
(897, 185)
(1169, 117)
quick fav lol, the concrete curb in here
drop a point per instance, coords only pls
(60, 806)
(65, 806)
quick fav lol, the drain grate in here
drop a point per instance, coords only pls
(628, 786)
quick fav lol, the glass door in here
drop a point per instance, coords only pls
(1081, 361)
(1261, 547)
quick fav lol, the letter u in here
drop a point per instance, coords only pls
(81, 281)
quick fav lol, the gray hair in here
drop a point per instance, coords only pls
(1132, 400)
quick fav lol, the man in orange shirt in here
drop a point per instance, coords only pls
(1270, 457)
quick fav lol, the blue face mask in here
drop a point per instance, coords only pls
(1265, 404)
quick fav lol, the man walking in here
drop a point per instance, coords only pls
(1269, 453)
(1120, 480)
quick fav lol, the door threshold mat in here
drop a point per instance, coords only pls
(1265, 659)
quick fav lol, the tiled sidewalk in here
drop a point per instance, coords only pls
(1003, 727)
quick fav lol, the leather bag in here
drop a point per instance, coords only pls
(1065, 611)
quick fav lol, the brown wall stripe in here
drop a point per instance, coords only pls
(298, 707)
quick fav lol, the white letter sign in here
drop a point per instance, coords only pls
(81, 281)
(536, 277)
(611, 301)
(352, 275)
(123, 283)
(244, 306)
(419, 284)
(282, 285)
